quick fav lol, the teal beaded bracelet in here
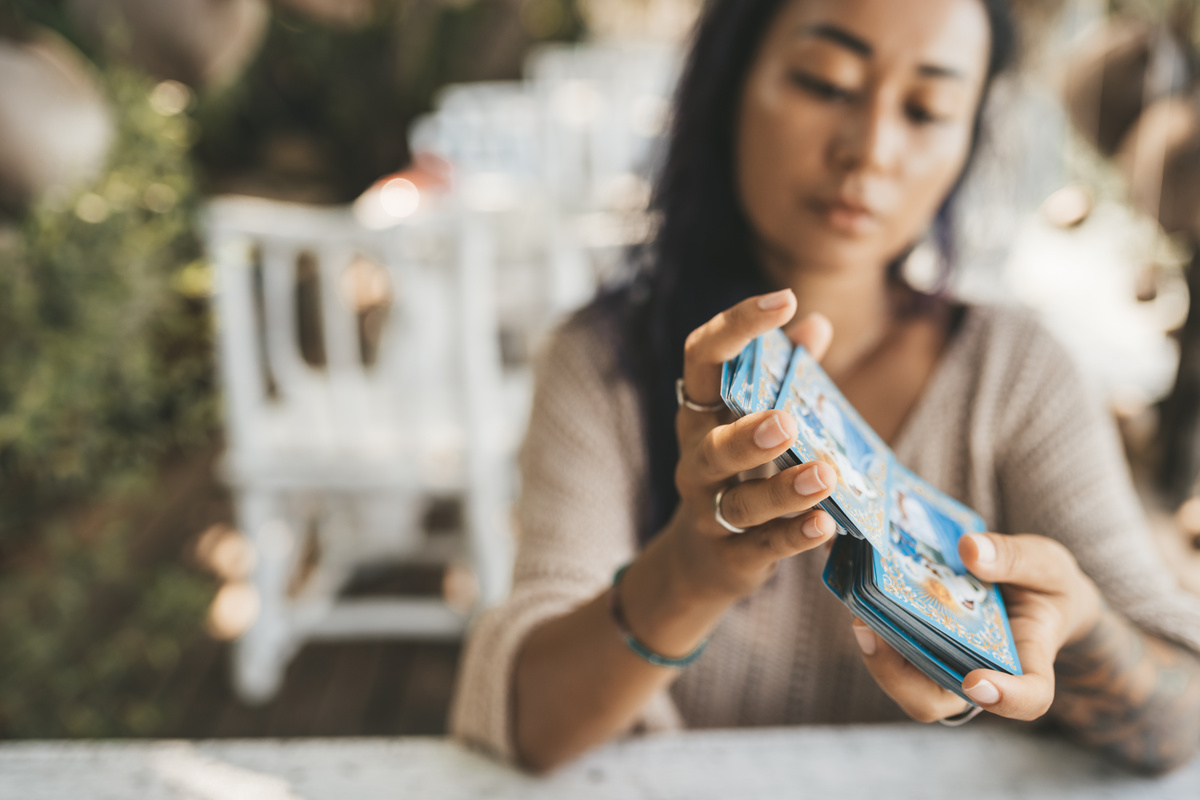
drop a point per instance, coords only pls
(631, 641)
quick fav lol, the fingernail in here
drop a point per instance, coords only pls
(812, 529)
(985, 693)
(809, 482)
(775, 300)
(770, 434)
(986, 550)
(866, 639)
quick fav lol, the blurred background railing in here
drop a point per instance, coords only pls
(273, 274)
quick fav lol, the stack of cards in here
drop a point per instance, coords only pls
(898, 569)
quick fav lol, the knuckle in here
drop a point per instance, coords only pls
(781, 493)
(735, 506)
(693, 344)
(764, 538)
(791, 535)
(708, 454)
(782, 539)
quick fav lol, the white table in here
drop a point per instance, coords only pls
(928, 762)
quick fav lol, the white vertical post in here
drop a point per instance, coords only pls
(489, 534)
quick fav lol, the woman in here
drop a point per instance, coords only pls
(815, 142)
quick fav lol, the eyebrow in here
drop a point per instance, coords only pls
(861, 47)
(839, 36)
(935, 71)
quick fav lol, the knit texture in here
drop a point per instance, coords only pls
(1005, 425)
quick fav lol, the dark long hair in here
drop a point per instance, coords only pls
(702, 260)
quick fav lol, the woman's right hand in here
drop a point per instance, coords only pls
(577, 683)
(779, 513)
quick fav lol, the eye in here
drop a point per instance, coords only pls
(920, 115)
(822, 89)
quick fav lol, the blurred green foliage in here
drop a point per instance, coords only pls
(105, 374)
(330, 108)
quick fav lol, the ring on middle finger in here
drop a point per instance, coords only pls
(724, 523)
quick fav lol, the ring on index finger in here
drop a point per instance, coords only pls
(724, 523)
(683, 400)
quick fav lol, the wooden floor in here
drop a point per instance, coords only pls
(370, 688)
(335, 689)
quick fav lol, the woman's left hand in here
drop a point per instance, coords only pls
(1051, 603)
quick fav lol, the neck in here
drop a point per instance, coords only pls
(859, 303)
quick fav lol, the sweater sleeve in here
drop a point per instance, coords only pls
(581, 478)
(1062, 473)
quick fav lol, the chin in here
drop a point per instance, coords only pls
(819, 251)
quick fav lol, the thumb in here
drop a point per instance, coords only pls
(1026, 560)
(815, 332)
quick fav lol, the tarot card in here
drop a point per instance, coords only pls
(830, 430)
(919, 569)
(847, 555)
(771, 358)
(737, 379)
(900, 573)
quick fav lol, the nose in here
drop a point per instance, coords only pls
(871, 138)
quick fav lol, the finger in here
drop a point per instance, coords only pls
(815, 332)
(793, 490)
(759, 548)
(726, 335)
(726, 450)
(1024, 697)
(1032, 562)
(913, 690)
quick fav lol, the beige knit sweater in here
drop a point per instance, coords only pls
(1004, 425)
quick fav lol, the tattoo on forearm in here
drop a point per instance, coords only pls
(1131, 695)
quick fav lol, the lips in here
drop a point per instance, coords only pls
(848, 216)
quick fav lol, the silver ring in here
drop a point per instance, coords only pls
(962, 718)
(724, 523)
(683, 400)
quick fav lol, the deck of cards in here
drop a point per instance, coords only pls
(896, 566)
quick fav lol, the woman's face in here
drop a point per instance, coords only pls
(855, 122)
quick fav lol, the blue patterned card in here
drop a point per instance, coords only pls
(918, 567)
(910, 584)
(830, 430)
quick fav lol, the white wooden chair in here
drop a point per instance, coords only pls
(332, 457)
(334, 451)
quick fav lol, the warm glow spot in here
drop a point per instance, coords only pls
(399, 198)
(1068, 207)
(170, 98)
(460, 588)
(365, 285)
(224, 552)
(233, 611)
(159, 198)
(1188, 515)
(92, 208)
